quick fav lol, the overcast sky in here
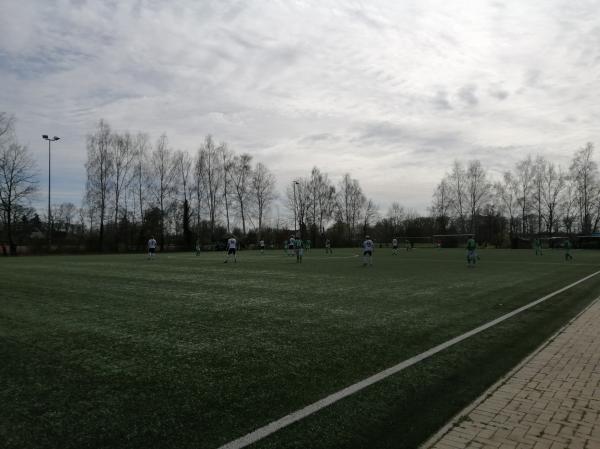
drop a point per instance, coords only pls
(390, 91)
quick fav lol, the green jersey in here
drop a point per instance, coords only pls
(471, 245)
(568, 245)
(298, 244)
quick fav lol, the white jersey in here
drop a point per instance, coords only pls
(152, 244)
(291, 242)
(232, 243)
(262, 243)
(368, 245)
(395, 242)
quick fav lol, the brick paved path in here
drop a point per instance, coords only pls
(551, 401)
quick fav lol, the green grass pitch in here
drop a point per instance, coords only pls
(118, 351)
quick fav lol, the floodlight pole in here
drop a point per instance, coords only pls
(53, 139)
(295, 212)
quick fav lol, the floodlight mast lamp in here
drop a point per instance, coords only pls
(49, 139)
(295, 210)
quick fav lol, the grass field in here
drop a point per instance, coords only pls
(118, 351)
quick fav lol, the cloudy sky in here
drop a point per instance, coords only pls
(390, 91)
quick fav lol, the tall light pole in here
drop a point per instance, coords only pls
(295, 209)
(49, 139)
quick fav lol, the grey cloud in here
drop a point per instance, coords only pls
(533, 77)
(381, 132)
(467, 94)
(327, 137)
(440, 101)
(498, 93)
(389, 134)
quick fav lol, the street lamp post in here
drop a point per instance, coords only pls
(295, 210)
(49, 139)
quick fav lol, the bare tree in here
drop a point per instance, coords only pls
(396, 215)
(508, 193)
(298, 196)
(199, 183)
(351, 201)
(17, 184)
(553, 183)
(183, 162)
(227, 164)
(440, 207)
(539, 169)
(369, 214)
(584, 172)
(321, 202)
(213, 179)
(569, 203)
(140, 179)
(7, 127)
(524, 172)
(122, 154)
(263, 192)
(163, 185)
(457, 180)
(478, 190)
(63, 215)
(100, 169)
(241, 177)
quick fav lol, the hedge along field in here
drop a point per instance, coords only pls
(182, 351)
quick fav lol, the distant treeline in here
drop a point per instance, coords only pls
(137, 188)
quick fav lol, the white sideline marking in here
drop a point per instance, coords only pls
(274, 426)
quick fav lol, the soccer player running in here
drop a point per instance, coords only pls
(471, 252)
(198, 247)
(151, 248)
(231, 249)
(291, 246)
(368, 248)
(262, 246)
(394, 246)
(328, 249)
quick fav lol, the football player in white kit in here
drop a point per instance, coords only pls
(231, 249)
(394, 246)
(368, 248)
(151, 247)
(262, 246)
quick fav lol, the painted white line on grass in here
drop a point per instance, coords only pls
(274, 426)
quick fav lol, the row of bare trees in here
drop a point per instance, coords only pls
(130, 181)
(536, 197)
(317, 204)
(17, 179)
(136, 187)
